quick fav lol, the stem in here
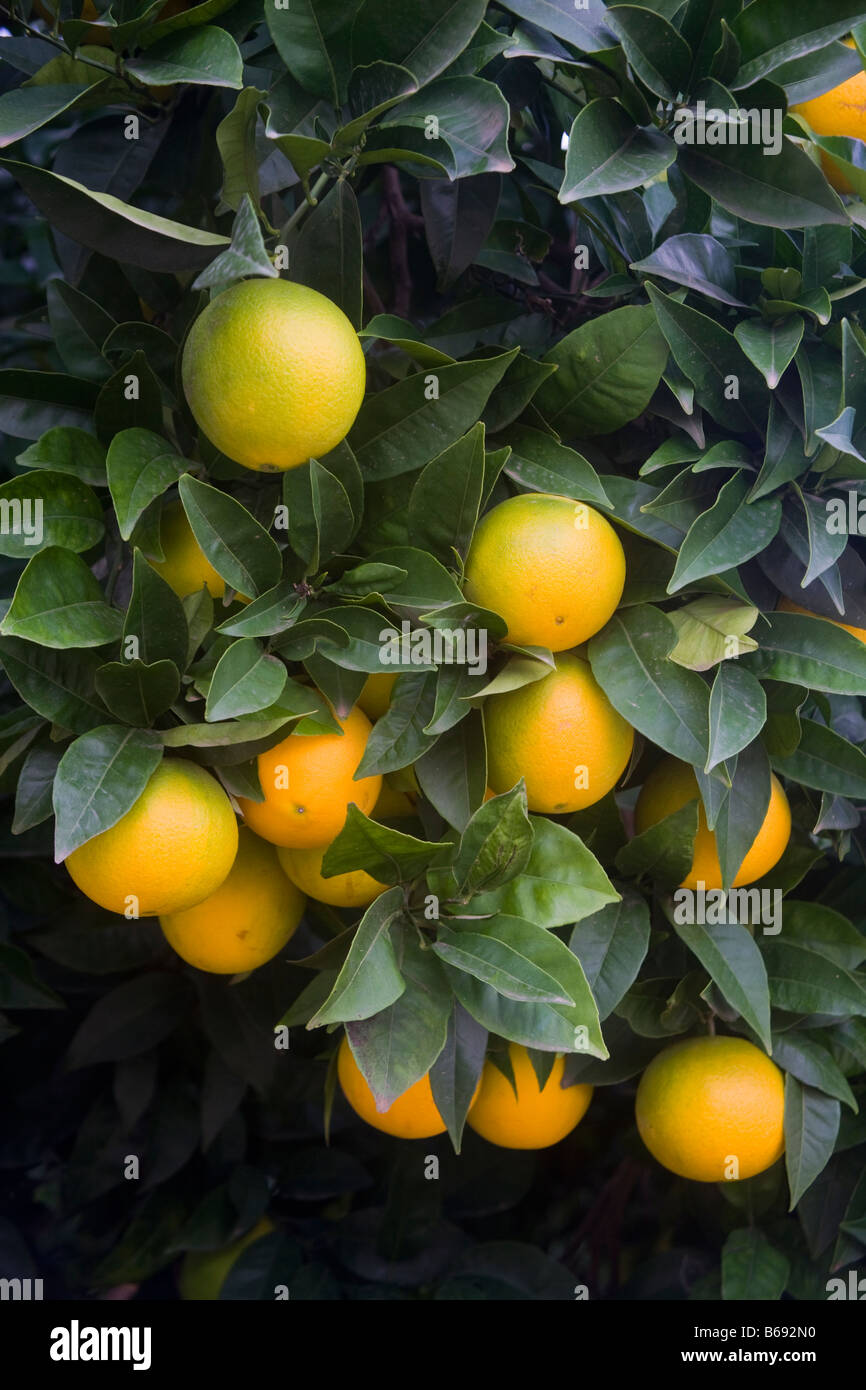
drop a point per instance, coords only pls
(309, 201)
(58, 43)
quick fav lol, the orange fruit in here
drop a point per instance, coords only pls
(174, 847)
(413, 1115)
(249, 918)
(787, 606)
(203, 1272)
(553, 568)
(535, 1118)
(561, 734)
(304, 868)
(672, 784)
(841, 111)
(375, 696)
(308, 785)
(395, 804)
(273, 373)
(185, 568)
(712, 1109)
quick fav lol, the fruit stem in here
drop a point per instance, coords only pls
(309, 201)
(711, 1025)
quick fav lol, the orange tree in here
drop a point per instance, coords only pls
(583, 255)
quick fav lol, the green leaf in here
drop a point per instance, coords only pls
(305, 36)
(783, 190)
(729, 954)
(399, 1044)
(738, 713)
(611, 945)
(235, 137)
(752, 1268)
(155, 619)
(207, 57)
(472, 130)
(546, 1027)
(235, 544)
(453, 774)
(141, 466)
(505, 968)
(245, 256)
(100, 777)
(583, 28)
(538, 462)
(458, 215)
(670, 705)
(33, 803)
(245, 681)
(321, 519)
(607, 153)
(403, 427)
(42, 508)
(664, 851)
(609, 368)
(811, 1127)
(80, 327)
(424, 39)
(562, 882)
(771, 32)
(495, 846)
(730, 533)
(803, 982)
(25, 109)
(328, 255)
(806, 651)
(66, 449)
(712, 630)
(445, 501)
(387, 855)
(369, 979)
(656, 52)
(136, 692)
(772, 346)
(58, 686)
(399, 737)
(59, 604)
(456, 1071)
(131, 1019)
(802, 1055)
(116, 409)
(819, 928)
(105, 223)
(827, 761)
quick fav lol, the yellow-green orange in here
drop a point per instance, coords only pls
(308, 782)
(712, 1109)
(672, 784)
(787, 606)
(553, 568)
(185, 568)
(562, 735)
(203, 1272)
(249, 918)
(172, 849)
(273, 373)
(534, 1118)
(413, 1115)
(375, 696)
(352, 889)
(841, 111)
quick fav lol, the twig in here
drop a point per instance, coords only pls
(308, 201)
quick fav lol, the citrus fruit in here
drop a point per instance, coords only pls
(203, 1272)
(304, 868)
(553, 568)
(841, 111)
(375, 696)
(672, 784)
(174, 847)
(273, 373)
(787, 606)
(249, 918)
(308, 785)
(185, 567)
(411, 1116)
(706, 1102)
(535, 1118)
(561, 734)
(394, 803)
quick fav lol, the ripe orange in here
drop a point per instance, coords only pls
(787, 606)
(273, 373)
(553, 568)
(394, 803)
(712, 1109)
(413, 1115)
(841, 111)
(562, 734)
(308, 785)
(249, 918)
(534, 1118)
(672, 784)
(185, 567)
(304, 868)
(203, 1272)
(375, 696)
(172, 849)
